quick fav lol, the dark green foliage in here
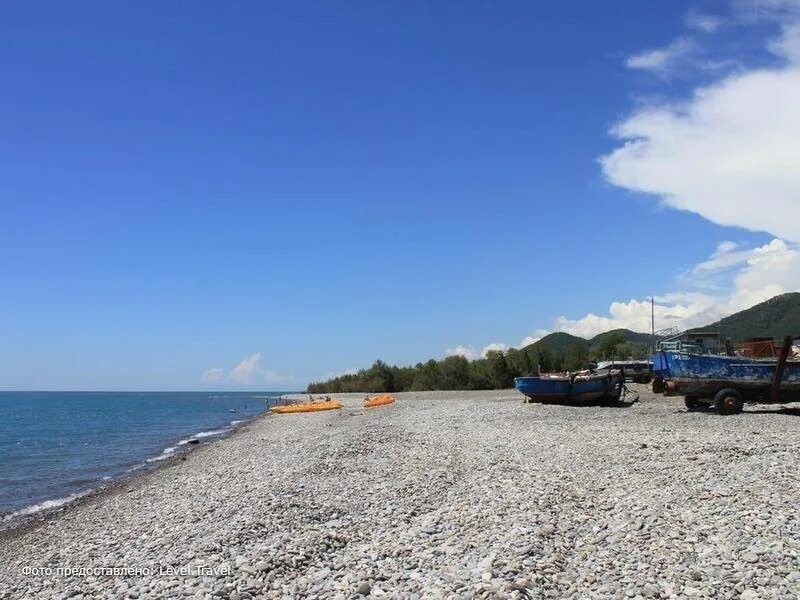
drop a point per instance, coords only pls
(627, 336)
(577, 356)
(555, 352)
(608, 347)
(775, 318)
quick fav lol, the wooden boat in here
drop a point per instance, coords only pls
(581, 387)
(313, 406)
(379, 401)
(638, 371)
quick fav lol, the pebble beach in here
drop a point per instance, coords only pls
(444, 495)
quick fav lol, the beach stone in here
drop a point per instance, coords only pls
(750, 557)
(364, 588)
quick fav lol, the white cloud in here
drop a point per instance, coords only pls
(787, 45)
(494, 347)
(661, 60)
(249, 371)
(729, 153)
(246, 370)
(470, 353)
(533, 338)
(744, 277)
(213, 375)
(725, 257)
(755, 275)
(702, 22)
(467, 352)
(337, 374)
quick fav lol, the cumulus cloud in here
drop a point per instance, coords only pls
(467, 352)
(250, 371)
(729, 153)
(754, 275)
(470, 353)
(742, 276)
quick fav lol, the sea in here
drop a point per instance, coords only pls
(58, 446)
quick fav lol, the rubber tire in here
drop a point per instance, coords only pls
(728, 402)
(658, 384)
(692, 402)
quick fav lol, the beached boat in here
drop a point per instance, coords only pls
(638, 371)
(574, 387)
(314, 406)
(729, 380)
(379, 401)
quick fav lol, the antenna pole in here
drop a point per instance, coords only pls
(653, 321)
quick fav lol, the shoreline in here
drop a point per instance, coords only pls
(11, 526)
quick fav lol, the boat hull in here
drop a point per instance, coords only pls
(306, 407)
(379, 401)
(703, 375)
(580, 388)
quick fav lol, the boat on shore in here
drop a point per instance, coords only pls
(637, 371)
(582, 387)
(701, 377)
(376, 401)
(311, 406)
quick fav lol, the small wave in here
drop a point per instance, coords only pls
(165, 453)
(234, 423)
(205, 434)
(46, 505)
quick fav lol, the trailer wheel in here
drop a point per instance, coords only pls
(692, 402)
(658, 384)
(728, 402)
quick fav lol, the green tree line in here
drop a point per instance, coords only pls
(496, 371)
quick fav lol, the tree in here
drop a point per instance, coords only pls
(455, 373)
(577, 356)
(380, 377)
(426, 376)
(607, 348)
(500, 373)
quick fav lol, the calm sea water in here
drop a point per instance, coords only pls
(56, 445)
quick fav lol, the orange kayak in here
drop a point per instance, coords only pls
(306, 407)
(379, 401)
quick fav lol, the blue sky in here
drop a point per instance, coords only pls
(258, 194)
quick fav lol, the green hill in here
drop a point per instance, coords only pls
(627, 335)
(775, 318)
(557, 343)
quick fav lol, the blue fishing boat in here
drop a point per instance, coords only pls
(729, 380)
(575, 387)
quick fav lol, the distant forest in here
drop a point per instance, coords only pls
(557, 352)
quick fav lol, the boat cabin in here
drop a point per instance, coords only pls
(693, 342)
